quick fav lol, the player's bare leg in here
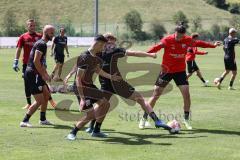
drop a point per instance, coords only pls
(234, 74)
(199, 74)
(189, 75)
(156, 94)
(54, 70)
(39, 100)
(224, 74)
(187, 103)
(27, 94)
(152, 101)
(101, 110)
(43, 108)
(91, 114)
(55, 73)
(60, 70)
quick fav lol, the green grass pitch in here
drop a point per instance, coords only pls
(215, 119)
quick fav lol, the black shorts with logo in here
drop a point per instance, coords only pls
(180, 78)
(91, 94)
(230, 64)
(192, 66)
(121, 88)
(59, 58)
(34, 82)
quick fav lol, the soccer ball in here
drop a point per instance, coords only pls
(216, 80)
(175, 125)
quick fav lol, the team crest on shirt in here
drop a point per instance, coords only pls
(172, 46)
(184, 45)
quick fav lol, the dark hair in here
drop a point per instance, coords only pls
(62, 29)
(180, 28)
(100, 38)
(195, 35)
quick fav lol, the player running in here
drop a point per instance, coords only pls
(191, 63)
(26, 41)
(58, 46)
(36, 76)
(174, 67)
(229, 58)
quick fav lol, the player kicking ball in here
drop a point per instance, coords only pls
(174, 68)
(110, 57)
(191, 63)
(87, 93)
(36, 76)
(100, 93)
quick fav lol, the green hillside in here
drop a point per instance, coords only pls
(80, 12)
(233, 1)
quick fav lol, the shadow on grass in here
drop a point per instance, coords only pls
(138, 139)
(215, 131)
(55, 126)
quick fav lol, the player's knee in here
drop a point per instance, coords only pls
(234, 73)
(157, 93)
(105, 102)
(227, 71)
(140, 100)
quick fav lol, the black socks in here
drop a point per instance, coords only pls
(153, 116)
(42, 116)
(26, 118)
(29, 100)
(202, 79)
(74, 131)
(186, 115)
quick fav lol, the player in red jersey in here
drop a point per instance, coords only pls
(191, 63)
(26, 41)
(174, 67)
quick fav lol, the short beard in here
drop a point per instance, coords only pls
(48, 37)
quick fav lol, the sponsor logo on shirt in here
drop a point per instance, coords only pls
(184, 45)
(30, 43)
(178, 55)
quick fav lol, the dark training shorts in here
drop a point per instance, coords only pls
(59, 58)
(34, 82)
(121, 88)
(230, 64)
(192, 66)
(91, 94)
(180, 78)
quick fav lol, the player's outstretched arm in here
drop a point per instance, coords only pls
(156, 48)
(201, 52)
(204, 44)
(113, 77)
(140, 54)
